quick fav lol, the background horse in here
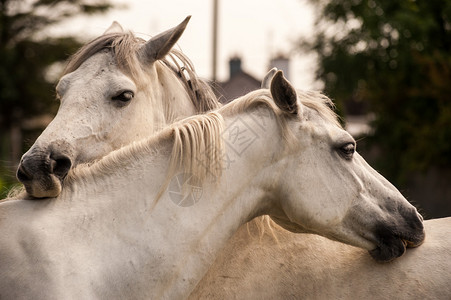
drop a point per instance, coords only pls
(116, 89)
(113, 233)
(307, 266)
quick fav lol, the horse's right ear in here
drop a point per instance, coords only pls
(284, 94)
(266, 82)
(115, 27)
(158, 46)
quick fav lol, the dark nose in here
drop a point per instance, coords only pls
(59, 164)
(23, 174)
(413, 232)
(34, 165)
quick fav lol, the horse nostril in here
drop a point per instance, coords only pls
(22, 174)
(60, 165)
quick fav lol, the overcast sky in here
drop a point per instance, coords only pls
(255, 30)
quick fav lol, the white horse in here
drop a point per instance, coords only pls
(116, 89)
(258, 263)
(115, 233)
(306, 266)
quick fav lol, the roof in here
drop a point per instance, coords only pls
(238, 85)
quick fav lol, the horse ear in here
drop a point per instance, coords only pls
(284, 94)
(115, 27)
(158, 46)
(266, 82)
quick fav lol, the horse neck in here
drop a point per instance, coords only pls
(186, 239)
(171, 94)
(239, 195)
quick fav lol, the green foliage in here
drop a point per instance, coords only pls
(394, 59)
(6, 183)
(25, 55)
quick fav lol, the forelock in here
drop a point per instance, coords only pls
(123, 46)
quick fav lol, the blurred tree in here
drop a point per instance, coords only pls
(25, 55)
(392, 58)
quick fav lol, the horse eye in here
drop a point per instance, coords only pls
(347, 150)
(124, 97)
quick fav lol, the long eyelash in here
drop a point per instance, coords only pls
(360, 139)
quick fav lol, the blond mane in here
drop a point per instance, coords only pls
(262, 97)
(311, 99)
(320, 103)
(197, 149)
(124, 48)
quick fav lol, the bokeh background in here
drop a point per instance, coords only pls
(386, 64)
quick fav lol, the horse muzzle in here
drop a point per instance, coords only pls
(42, 172)
(393, 240)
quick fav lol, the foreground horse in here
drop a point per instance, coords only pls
(114, 232)
(116, 89)
(306, 266)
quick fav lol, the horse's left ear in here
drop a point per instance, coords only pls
(284, 94)
(158, 46)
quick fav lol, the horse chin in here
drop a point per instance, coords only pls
(45, 187)
(389, 252)
(410, 244)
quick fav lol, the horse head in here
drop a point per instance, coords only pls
(331, 190)
(116, 89)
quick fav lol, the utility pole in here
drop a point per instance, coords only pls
(214, 61)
